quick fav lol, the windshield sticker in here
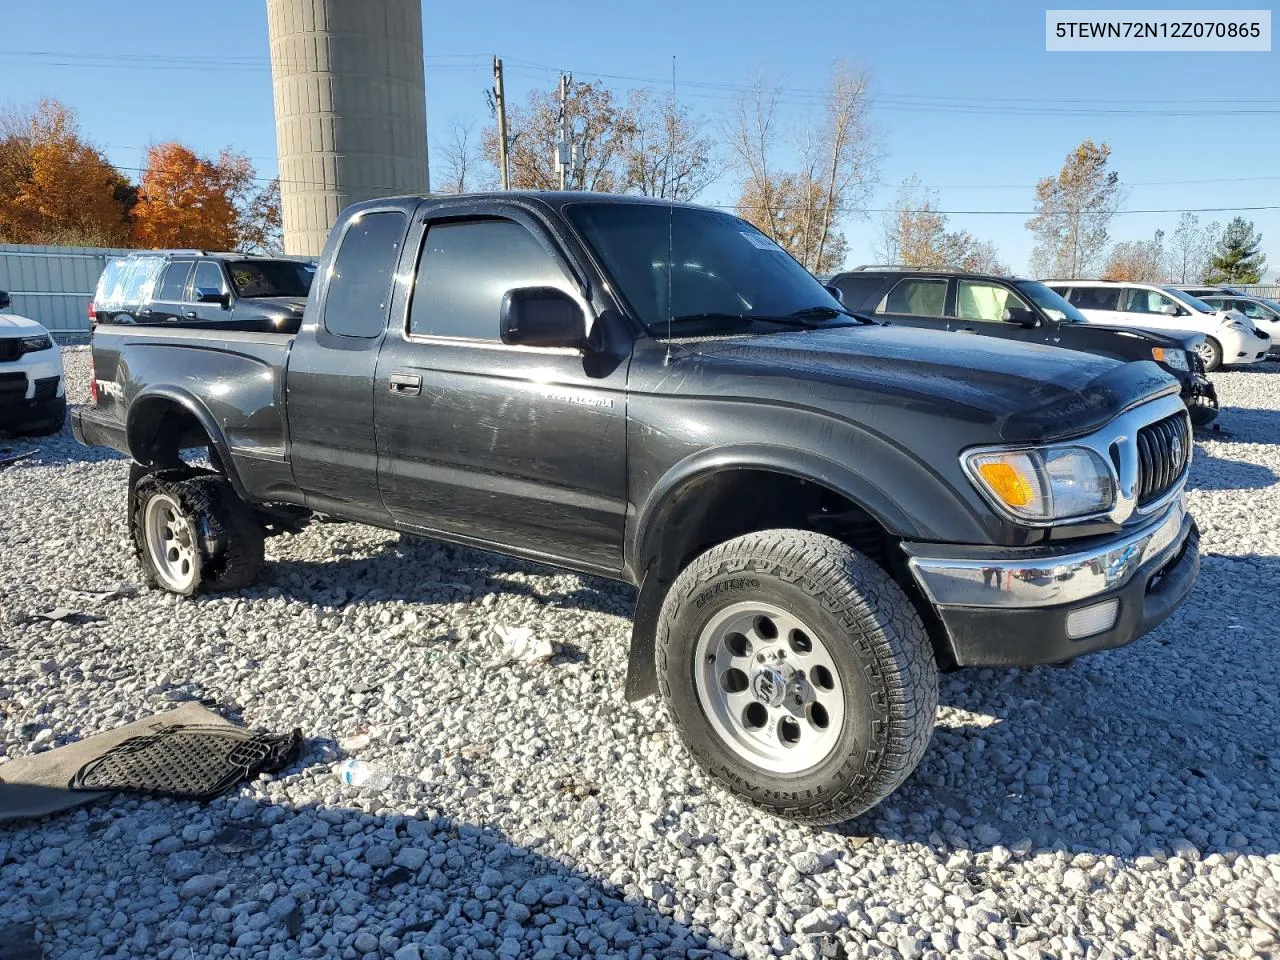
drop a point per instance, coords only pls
(759, 241)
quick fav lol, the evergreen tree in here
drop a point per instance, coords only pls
(1239, 257)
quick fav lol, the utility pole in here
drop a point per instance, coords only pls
(564, 152)
(500, 104)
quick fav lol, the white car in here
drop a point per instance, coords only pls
(33, 398)
(1264, 313)
(1229, 336)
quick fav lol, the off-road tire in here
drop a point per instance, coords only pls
(228, 535)
(889, 675)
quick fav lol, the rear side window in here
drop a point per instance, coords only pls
(175, 280)
(858, 291)
(208, 277)
(1095, 298)
(360, 280)
(921, 298)
(141, 280)
(467, 267)
(110, 282)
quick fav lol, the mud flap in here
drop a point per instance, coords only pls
(642, 669)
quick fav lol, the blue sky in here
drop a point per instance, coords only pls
(970, 100)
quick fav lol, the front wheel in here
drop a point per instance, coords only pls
(1210, 351)
(799, 674)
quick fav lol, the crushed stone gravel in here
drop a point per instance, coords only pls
(1124, 806)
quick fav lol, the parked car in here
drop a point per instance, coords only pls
(33, 398)
(1200, 291)
(229, 290)
(1229, 337)
(819, 510)
(1264, 313)
(1015, 309)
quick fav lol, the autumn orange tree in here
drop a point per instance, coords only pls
(186, 200)
(56, 187)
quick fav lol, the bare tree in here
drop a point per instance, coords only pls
(462, 160)
(665, 151)
(838, 161)
(1074, 211)
(914, 233)
(1138, 260)
(1189, 249)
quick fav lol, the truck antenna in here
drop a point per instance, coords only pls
(671, 213)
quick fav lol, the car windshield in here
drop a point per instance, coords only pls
(1188, 300)
(725, 270)
(1051, 303)
(271, 278)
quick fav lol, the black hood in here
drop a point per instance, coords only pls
(1025, 391)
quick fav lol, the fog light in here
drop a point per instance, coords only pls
(1087, 621)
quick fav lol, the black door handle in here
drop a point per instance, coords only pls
(405, 384)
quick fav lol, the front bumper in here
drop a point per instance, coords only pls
(1010, 606)
(1201, 398)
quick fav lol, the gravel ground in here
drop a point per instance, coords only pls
(1123, 806)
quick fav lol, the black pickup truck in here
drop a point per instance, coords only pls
(819, 511)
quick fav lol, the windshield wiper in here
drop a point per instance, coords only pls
(800, 319)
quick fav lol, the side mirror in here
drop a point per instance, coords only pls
(835, 292)
(1170, 310)
(1021, 316)
(4, 300)
(212, 295)
(542, 317)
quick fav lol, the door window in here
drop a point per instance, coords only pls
(920, 298)
(208, 277)
(360, 281)
(1095, 298)
(986, 301)
(1148, 301)
(1255, 311)
(175, 280)
(465, 269)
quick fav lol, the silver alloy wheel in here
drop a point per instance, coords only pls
(171, 542)
(1206, 352)
(769, 686)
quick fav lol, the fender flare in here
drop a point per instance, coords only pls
(192, 405)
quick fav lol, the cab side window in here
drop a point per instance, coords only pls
(920, 298)
(465, 269)
(362, 275)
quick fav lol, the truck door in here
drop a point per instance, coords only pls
(492, 443)
(331, 369)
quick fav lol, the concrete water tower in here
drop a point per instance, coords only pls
(351, 108)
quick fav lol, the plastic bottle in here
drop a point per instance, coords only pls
(358, 773)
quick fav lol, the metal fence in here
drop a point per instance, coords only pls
(53, 285)
(1269, 291)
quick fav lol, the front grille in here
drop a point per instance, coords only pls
(13, 386)
(1164, 448)
(10, 348)
(46, 388)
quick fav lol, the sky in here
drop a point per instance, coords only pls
(966, 97)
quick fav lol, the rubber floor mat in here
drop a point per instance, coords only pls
(188, 762)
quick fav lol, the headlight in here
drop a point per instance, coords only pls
(36, 344)
(1053, 483)
(1171, 358)
(1239, 325)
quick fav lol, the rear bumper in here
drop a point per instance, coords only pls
(94, 430)
(1011, 607)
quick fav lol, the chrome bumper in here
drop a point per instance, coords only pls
(1052, 576)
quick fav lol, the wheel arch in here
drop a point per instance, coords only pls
(163, 421)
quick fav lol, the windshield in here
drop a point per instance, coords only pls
(724, 268)
(1051, 303)
(1188, 300)
(271, 278)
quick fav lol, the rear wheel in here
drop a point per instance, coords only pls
(1210, 352)
(799, 674)
(192, 532)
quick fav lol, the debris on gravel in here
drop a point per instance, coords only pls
(1125, 806)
